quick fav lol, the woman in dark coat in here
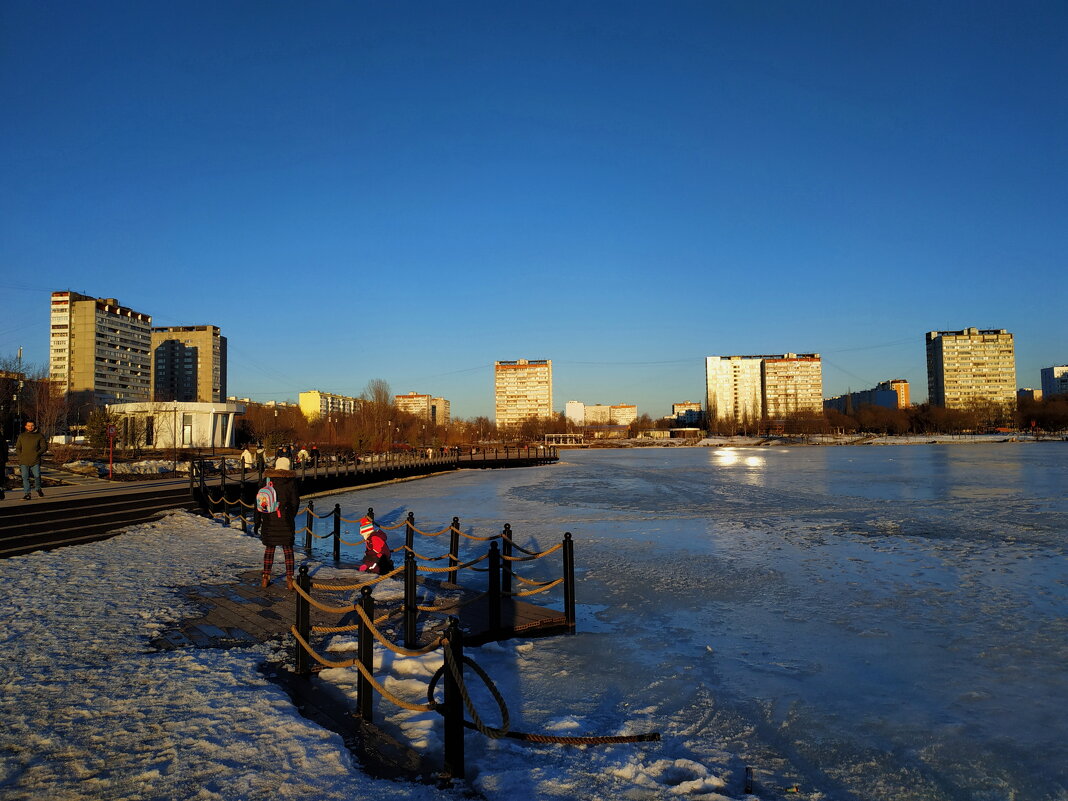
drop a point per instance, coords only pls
(279, 527)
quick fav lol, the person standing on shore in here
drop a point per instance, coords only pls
(30, 448)
(277, 525)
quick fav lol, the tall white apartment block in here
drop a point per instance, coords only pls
(99, 350)
(575, 412)
(792, 383)
(440, 411)
(598, 414)
(522, 389)
(1055, 380)
(733, 388)
(622, 414)
(315, 404)
(413, 403)
(971, 366)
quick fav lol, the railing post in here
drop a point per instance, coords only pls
(569, 582)
(494, 589)
(410, 636)
(309, 520)
(337, 534)
(506, 564)
(365, 653)
(303, 622)
(454, 551)
(454, 704)
(409, 531)
(242, 474)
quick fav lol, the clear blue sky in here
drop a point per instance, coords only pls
(409, 191)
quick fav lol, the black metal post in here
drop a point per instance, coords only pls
(309, 519)
(409, 531)
(366, 654)
(454, 704)
(371, 513)
(454, 550)
(410, 635)
(569, 582)
(494, 589)
(303, 622)
(337, 533)
(506, 564)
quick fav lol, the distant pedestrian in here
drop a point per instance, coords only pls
(315, 455)
(303, 456)
(3, 464)
(247, 459)
(261, 457)
(276, 520)
(30, 448)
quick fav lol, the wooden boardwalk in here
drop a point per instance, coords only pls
(233, 615)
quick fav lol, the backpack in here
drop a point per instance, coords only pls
(267, 499)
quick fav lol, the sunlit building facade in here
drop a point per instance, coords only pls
(971, 366)
(522, 389)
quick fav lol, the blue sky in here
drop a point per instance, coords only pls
(409, 191)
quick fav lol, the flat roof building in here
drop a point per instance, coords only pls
(971, 366)
(733, 388)
(315, 404)
(792, 383)
(1054, 380)
(99, 350)
(522, 389)
(425, 407)
(188, 364)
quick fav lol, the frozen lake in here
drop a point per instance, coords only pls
(863, 622)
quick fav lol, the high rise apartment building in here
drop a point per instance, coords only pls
(189, 364)
(522, 389)
(893, 394)
(971, 366)
(1055, 380)
(99, 351)
(792, 383)
(733, 389)
(746, 388)
(425, 407)
(315, 404)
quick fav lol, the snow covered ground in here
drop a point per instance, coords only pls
(89, 711)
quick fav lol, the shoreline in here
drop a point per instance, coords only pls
(818, 440)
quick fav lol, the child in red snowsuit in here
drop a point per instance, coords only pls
(376, 559)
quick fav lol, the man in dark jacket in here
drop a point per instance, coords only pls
(30, 448)
(278, 526)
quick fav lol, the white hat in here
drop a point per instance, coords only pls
(281, 463)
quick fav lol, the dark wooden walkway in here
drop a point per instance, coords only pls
(232, 615)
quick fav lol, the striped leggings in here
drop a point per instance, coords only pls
(268, 558)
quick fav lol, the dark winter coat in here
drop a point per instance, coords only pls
(30, 447)
(275, 530)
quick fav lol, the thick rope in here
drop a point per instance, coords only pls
(458, 677)
(418, 555)
(525, 593)
(366, 674)
(530, 582)
(431, 533)
(369, 583)
(533, 555)
(473, 537)
(464, 566)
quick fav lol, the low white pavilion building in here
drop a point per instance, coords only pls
(170, 424)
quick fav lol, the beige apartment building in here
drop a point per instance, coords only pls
(189, 364)
(99, 351)
(425, 407)
(733, 388)
(792, 383)
(522, 389)
(315, 404)
(971, 366)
